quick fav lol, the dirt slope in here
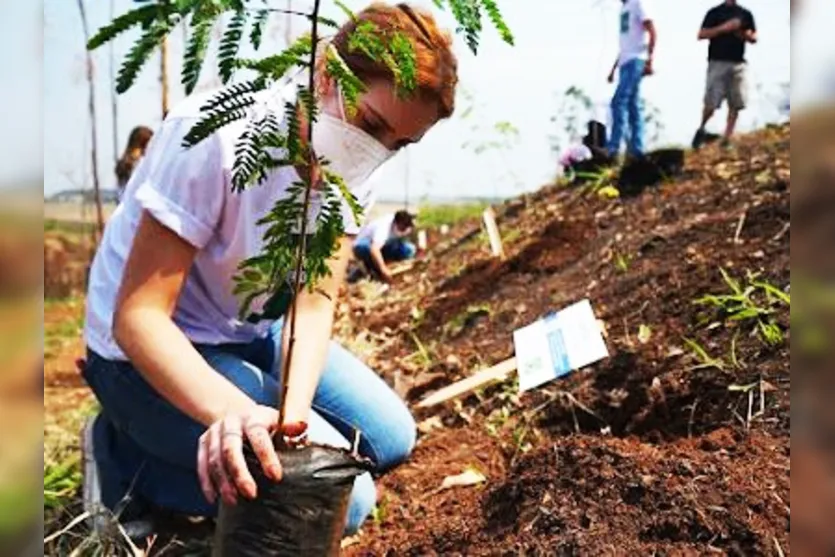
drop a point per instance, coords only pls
(655, 449)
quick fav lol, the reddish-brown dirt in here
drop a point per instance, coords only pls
(65, 262)
(645, 452)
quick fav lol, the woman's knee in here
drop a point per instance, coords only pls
(399, 440)
(363, 501)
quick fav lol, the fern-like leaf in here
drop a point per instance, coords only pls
(336, 181)
(350, 85)
(195, 53)
(345, 9)
(498, 21)
(228, 105)
(276, 66)
(257, 32)
(229, 45)
(253, 161)
(468, 16)
(143, 15)
(328, 22)
(403, 63)
(308, 103)
(294, 133)
(139, 55)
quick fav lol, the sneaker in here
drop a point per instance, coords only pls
(699, 138)
(726, 144)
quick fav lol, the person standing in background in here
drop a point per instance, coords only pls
(635, 60)
(728, 27)
(138, 141)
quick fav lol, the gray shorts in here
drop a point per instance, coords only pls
(726, 81)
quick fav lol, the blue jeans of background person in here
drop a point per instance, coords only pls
(396, 249)
(626, 106)
(144, 444)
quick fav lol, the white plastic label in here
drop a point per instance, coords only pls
(421, 239)
(558, 344)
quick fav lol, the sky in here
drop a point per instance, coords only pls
(559, 43)
(21, 98)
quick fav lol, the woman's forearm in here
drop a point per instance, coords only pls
(314, 323)
(166, 359)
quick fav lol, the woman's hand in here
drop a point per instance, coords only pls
(220, 458)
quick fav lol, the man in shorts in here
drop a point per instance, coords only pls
(728, 27)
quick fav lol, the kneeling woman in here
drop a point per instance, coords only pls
(181, 380)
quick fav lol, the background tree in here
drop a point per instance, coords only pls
(91, 107)
(496, 140)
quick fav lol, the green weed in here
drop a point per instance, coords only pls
(464, 319)
(61, 481)
(752, 301)
(423, 354)
(511, 236)
(600, 183)
(705, 359)
(622, 262)
(433, 216)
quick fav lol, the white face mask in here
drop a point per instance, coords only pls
(352, 153)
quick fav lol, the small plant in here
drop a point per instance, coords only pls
(600, 183)
(511, 236)
(754, 301)
(644, 333)
(497, 420)
(61, 481)
(705, 359)
(465, 319)
(378, 515)
(622, 262)
(422, 354)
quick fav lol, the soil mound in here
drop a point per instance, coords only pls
(678, 443)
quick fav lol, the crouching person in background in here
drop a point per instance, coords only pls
(384, 240)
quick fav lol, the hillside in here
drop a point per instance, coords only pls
(678, 442)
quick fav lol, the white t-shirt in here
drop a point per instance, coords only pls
(189, 191)
(378, 231)
(633, 45)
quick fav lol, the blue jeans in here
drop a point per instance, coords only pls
(146, 446)
(396, 249)
(626, 104)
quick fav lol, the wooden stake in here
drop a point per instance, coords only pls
(739, 225)
(498, 372)
(496, 247)
(163, 55)
(421, 239)
(114, 101)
